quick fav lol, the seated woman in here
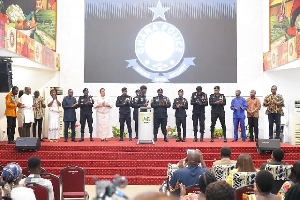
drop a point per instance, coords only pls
(244, 163)
(204, 180)
(263, 185)
(294, 177)
(11, 176)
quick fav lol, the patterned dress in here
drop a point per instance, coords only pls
(53, 120)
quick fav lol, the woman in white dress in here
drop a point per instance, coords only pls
(103, 106)
(20, 115)
(53, 117)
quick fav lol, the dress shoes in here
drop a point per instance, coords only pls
(121, 139)
(166, 140)
(195, 140)
(211, 140)
(154, 139)
(225, 140)
(66, 140)
(91, 139)
(201, 140)
(130, 139)
(81, 140)
(178, 140)
(74, 140)
(183, 140)
(234, 141)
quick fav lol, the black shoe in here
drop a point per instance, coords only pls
(130, 139)
(121, 139)
(195, 140)
(9, 142)
(256, 139)
(74, 140)
(201, 140)
(66, 140)
(81, 140)
(42, 140)
(234, 141)
(212, 140)
(178, 140)
(136, 137)
(154, 139)
(225, 140)
(13, 142)
(91, 139)
(183, 140)
(166, 140)
(244, 140)
(251, 140)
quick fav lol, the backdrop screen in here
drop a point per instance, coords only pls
(139, 41)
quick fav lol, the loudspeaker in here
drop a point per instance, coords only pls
(267, 146)
(5, 77)
(28, 144)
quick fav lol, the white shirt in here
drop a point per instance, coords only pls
(27, 101)
(41, 181)
(22, 193)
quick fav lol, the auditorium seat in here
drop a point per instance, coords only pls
(244, 191)
(240, 179)
(222, 171)
(192, 189)
(56, 182)
(40, 192)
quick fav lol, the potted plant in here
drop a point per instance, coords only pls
(172, 132)
(218, 133)
(116, 132)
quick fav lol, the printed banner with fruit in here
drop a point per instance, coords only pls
(35, 18)
(284, 33)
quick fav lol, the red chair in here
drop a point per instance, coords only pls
(26, 171)
(192, 189)
(73, 182)
(40, 192)
(55, 180)
(249, 189)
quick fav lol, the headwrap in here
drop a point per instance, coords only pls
(11, 172)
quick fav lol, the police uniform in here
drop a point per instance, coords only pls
(124, 103)
(86, 113)
(180, 115)
(137, 102)
(199, 101)
(217, 111)
(160, 104)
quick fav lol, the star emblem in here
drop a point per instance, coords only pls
(159, 11)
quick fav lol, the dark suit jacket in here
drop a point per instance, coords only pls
(263, 166)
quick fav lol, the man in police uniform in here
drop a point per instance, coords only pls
(217, 102)
(160, 104)
(139, 101)
(124, 103)
(85, 103)
(180, 104)
(199, 101)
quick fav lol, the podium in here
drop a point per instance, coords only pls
(145, 125)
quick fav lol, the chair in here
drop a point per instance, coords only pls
(73, 182)
(192, 189)
(40, 192)
(240, 179)
(280, 174)
(248, 190)
(26, 171)
(171, 169)
(222, 171)
(56, 182)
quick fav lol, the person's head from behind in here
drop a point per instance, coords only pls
(225, 152)
(34, 165)
(219, 190)
(11, 175)
(277, 155)
(193, 158)
(206, 179)
(295, 172)
(245, 163)
(293, 193)
(264, 181)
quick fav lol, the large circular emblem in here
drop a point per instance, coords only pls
(159, 46)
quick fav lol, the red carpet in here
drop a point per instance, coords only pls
(143, 164)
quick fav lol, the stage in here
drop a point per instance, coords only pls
(143, 164)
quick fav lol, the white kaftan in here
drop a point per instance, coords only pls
(104, 129)
(27, 101)
(53, 120)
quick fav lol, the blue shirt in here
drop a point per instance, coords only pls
(241, 105)
(187, 176)
(69, 111)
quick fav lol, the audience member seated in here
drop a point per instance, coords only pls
(183, 162)
(34, 166)
(294, 178)
(263, 185)
(189, 175)
(11, 176)
(276, 158)
(154, 195)
(219, 190)
(244, 163)
(204, 180)
(293, 193)
(225, 157)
